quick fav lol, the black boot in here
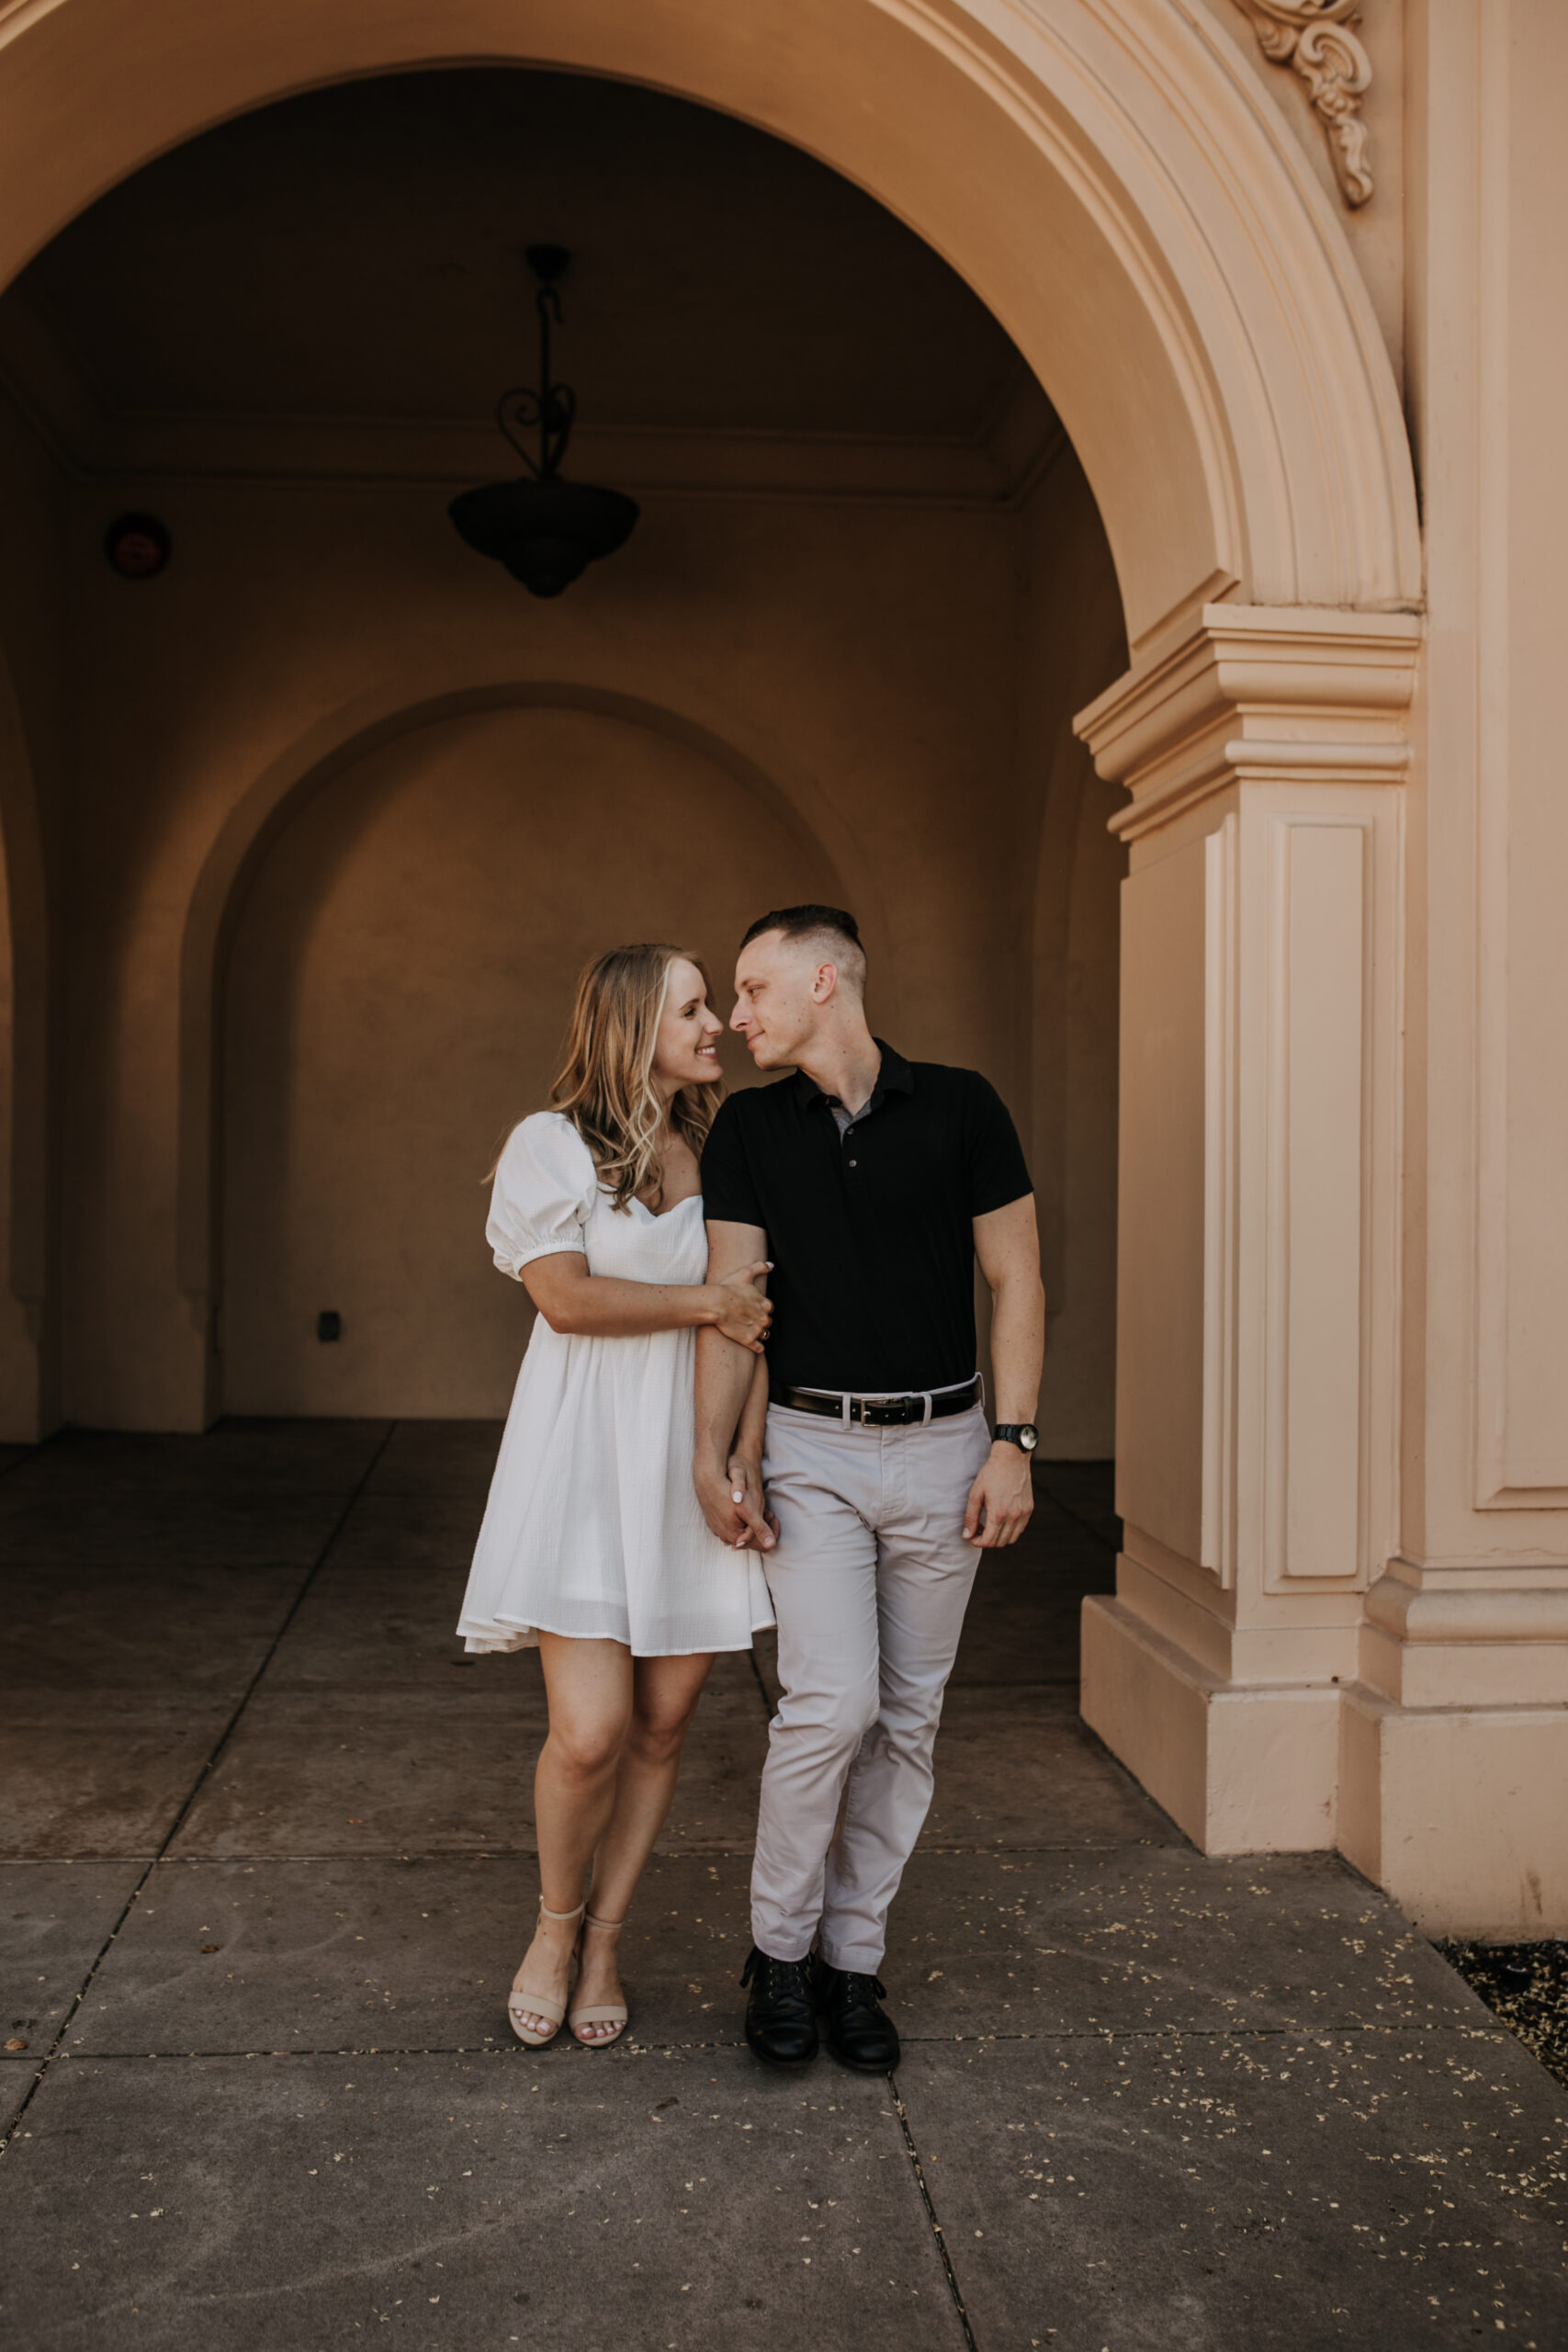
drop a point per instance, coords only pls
(781, 2025)
(859, 2032)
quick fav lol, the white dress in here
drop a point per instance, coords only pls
(592, 1527)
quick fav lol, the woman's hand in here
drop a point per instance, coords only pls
(741, 1310)
(748, 1501)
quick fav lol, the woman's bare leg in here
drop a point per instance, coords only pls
(665, 1691)
(590, 1689)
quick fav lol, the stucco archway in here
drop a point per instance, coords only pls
(1105, 179)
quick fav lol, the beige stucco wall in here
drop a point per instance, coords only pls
(1487, 1264)
(762, 699)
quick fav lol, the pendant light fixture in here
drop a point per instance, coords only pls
(546, 531)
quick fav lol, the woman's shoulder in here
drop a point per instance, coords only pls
(547, 1139)
(540, 1124)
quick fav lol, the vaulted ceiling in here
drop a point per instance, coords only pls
(356, 254)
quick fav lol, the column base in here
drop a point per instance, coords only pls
(1458, 1812)
(1242, 1767)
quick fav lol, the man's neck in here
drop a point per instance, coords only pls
(845, 1067)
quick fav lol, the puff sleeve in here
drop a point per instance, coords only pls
(544, 1188)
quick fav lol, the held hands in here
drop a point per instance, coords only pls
(750, 1504)
(740, 1309)
(733, 1504)
(1000, 1501)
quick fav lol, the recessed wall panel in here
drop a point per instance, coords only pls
(1320, 1030)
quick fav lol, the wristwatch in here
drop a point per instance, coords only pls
(1023, 1434)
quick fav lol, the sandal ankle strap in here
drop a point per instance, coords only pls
(590, 1921)
(546, 1913)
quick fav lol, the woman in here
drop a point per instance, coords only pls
(594, 1546)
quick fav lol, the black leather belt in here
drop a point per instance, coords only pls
(881, 1412)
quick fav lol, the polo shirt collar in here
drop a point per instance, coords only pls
(894, 1076)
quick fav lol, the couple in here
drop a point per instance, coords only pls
(674, 1426)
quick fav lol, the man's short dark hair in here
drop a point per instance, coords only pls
(805, 922)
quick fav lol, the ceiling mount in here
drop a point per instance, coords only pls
(546, 531)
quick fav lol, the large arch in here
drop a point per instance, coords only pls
(1103, 172)
(331, 749)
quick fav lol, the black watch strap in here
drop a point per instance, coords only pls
(1023, 1434)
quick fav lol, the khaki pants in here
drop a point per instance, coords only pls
(869, 1578)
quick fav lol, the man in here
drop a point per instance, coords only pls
(873, 1184)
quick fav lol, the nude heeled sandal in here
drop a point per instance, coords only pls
(613, 2013)
(521, 2002)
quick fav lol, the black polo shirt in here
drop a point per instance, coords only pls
(869, 1229)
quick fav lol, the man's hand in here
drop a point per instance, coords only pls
(731, 1499)
(1002, 1501)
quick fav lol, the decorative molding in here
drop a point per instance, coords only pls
(1255, 695)
(1499, 1612)
(20, 16)
(1314, 37)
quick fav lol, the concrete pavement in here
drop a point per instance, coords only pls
(267, 1874)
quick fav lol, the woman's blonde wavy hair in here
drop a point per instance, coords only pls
(606, 1087)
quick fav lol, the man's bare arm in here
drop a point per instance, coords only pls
(724, 1380)
(1007, 1243)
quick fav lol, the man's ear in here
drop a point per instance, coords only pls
(824, 983)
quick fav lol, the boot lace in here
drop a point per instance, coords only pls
(781, 1980)
(859, 1992)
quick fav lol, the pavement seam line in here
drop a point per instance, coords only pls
(912, 2152)
(529, 1853)
(204, 1774)
(498, 2049)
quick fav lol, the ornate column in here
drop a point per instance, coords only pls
(1258, 1334)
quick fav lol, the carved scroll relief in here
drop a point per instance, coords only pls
(1315, 38)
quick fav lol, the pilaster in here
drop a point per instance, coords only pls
(1258, 1340)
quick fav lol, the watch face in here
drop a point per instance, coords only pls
(1027, 1437)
